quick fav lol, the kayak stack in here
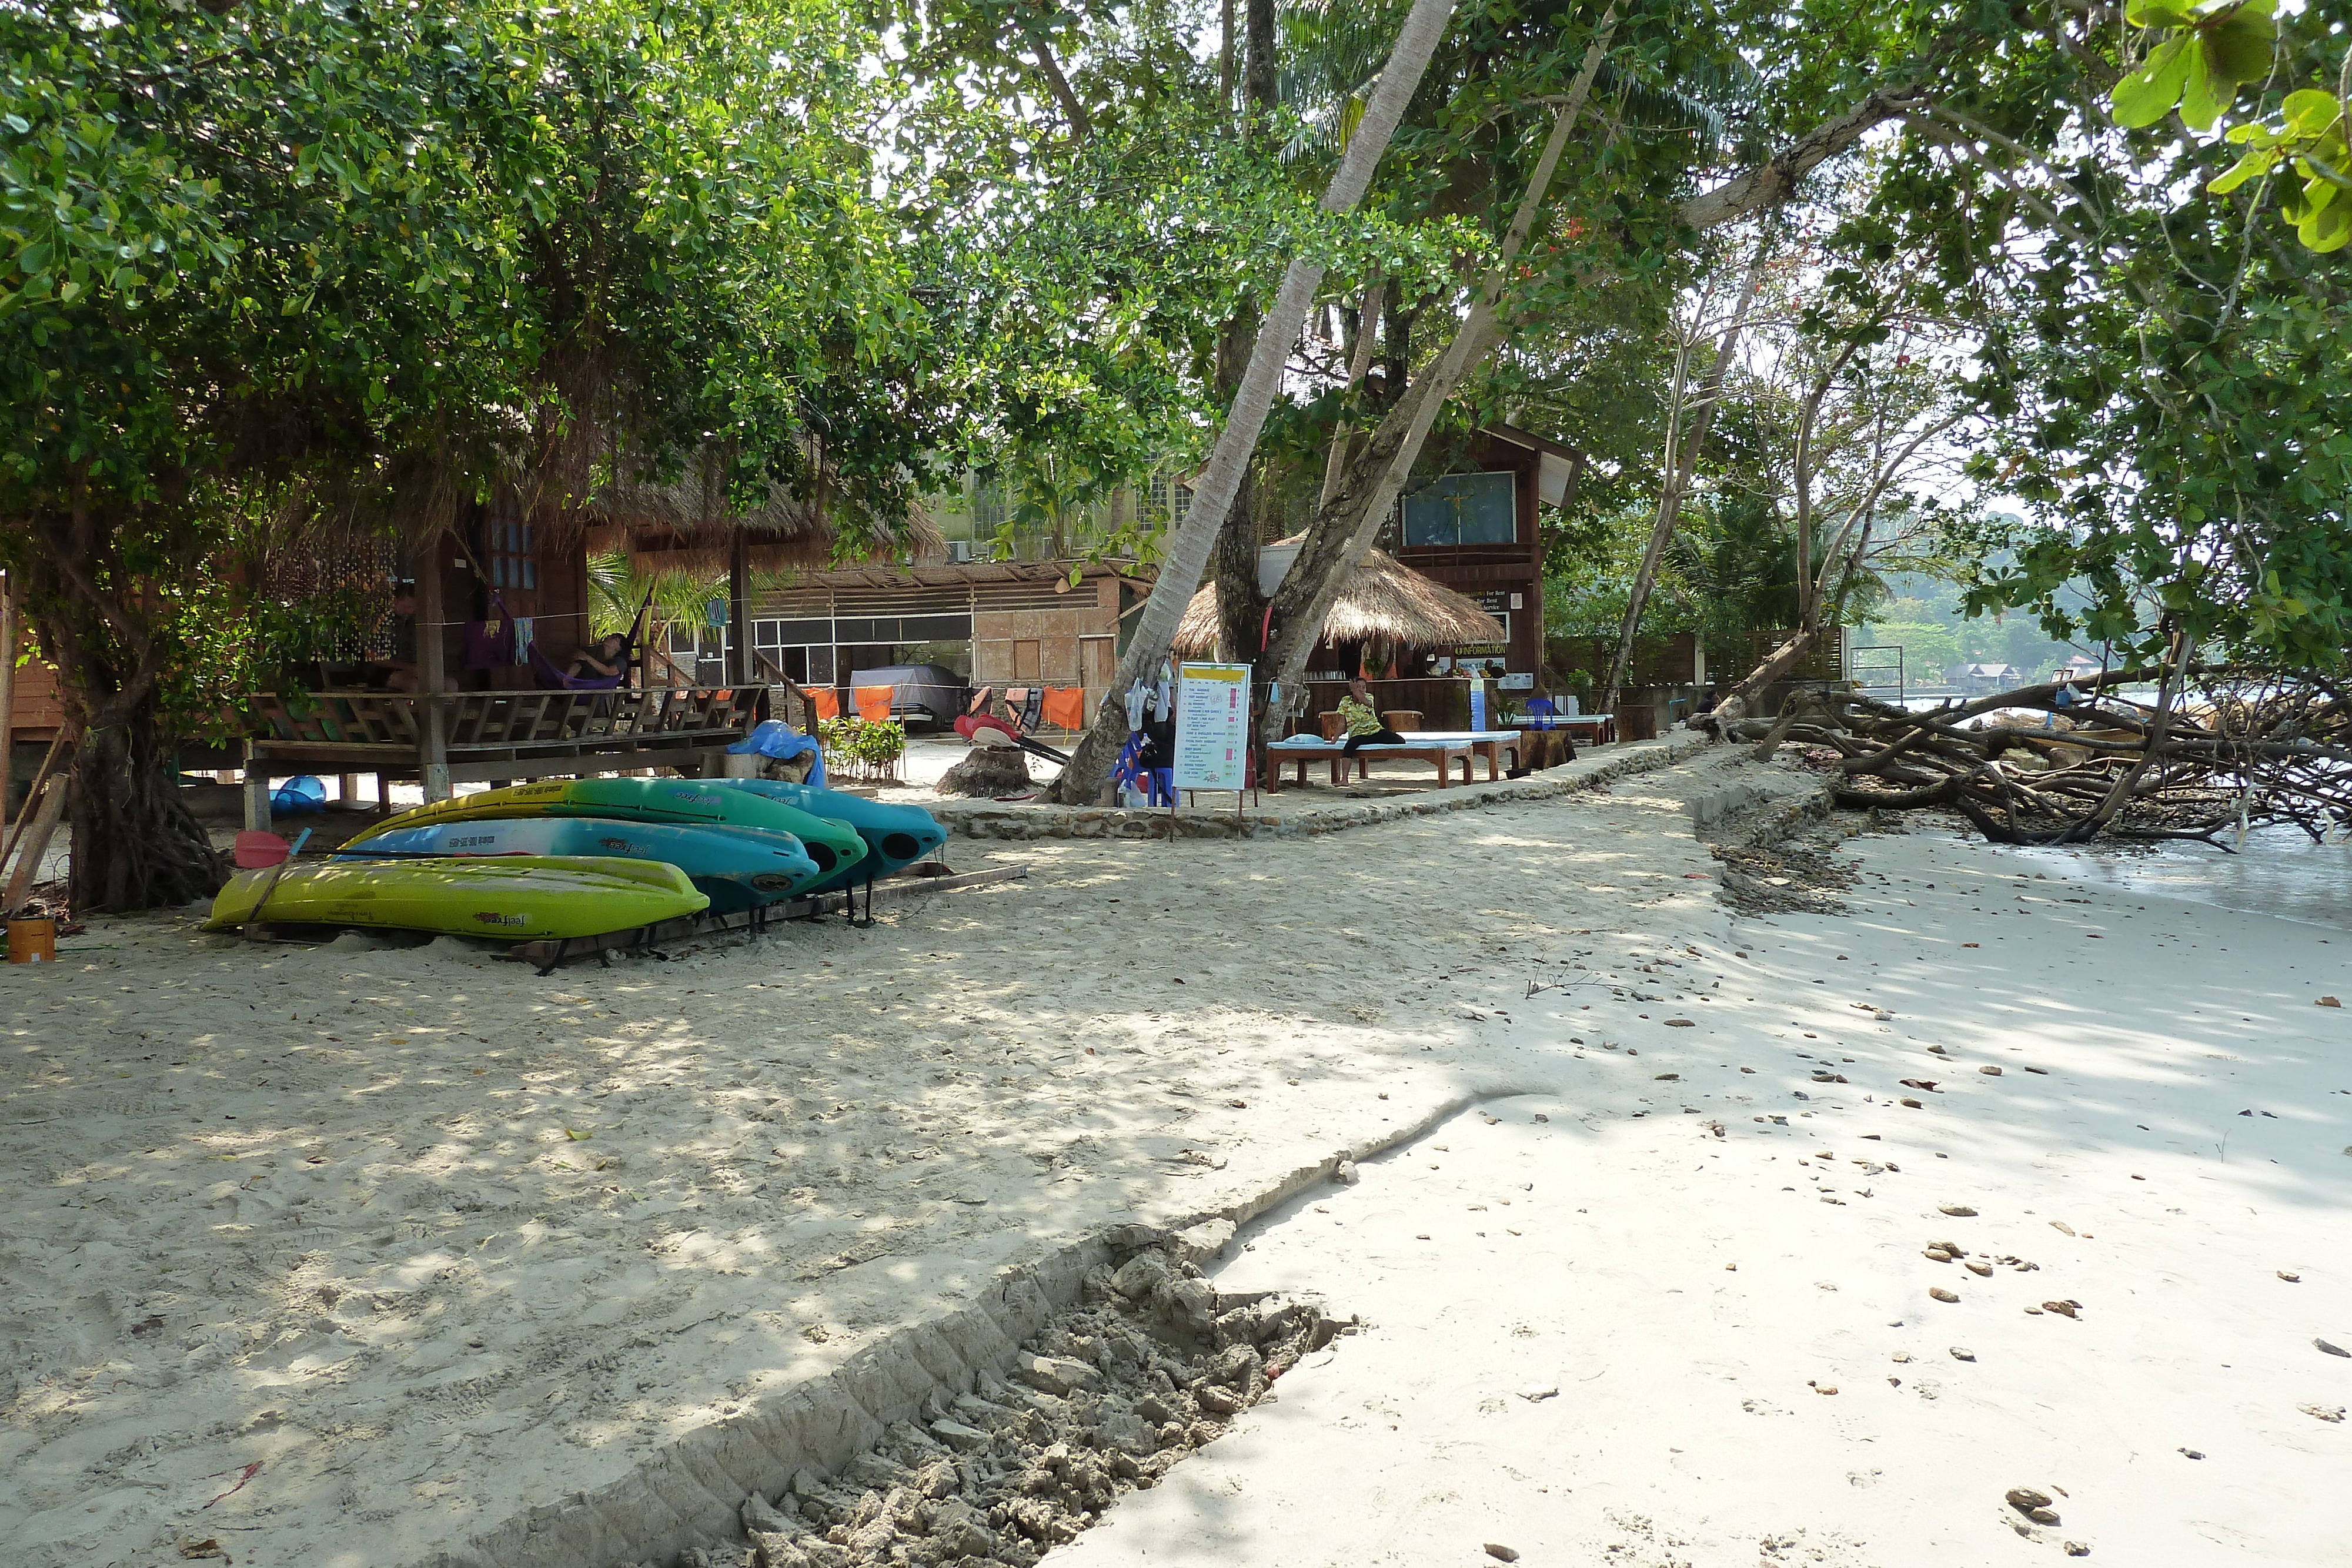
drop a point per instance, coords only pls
(585, 857)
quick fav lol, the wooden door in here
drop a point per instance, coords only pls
(1097, 663)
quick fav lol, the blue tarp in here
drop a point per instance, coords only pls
(775, 738)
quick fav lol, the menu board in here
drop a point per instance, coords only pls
(1213, 715)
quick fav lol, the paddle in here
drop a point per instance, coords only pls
(249, 843)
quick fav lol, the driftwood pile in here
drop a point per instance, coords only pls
(2234, 748)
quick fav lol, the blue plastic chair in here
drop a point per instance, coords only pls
(299, 797)
(1543, 710)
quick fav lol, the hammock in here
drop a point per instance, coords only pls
(552, 677)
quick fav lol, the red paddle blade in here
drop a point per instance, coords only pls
(255, 849)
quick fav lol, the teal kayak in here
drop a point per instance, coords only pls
(834, 846)
(894, 836)
(739, 868)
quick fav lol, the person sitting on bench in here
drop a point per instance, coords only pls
(1360, 722)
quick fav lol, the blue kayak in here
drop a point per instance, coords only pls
(896, 836)
(739, 868)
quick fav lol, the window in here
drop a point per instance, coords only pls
(1462, 509)
(512, 567)
(1167, 500)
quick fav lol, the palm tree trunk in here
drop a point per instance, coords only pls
(1087, 777)
(1348, 523)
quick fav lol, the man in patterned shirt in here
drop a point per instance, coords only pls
(1360, 722)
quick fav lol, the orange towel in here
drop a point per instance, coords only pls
(873, 701)
(1065, 707)
(824, 701)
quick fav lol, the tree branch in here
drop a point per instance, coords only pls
(1772, 182)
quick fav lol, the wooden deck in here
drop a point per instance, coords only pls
(472, 737)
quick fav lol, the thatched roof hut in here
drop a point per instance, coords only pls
(1384, 601)
(689, 522)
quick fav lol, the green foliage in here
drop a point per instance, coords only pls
(2308, 137)
(866, 742)
(2205, 54)
(1738, 560)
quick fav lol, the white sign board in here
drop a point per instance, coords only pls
(1213, 715)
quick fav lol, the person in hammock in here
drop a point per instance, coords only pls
(608, 659)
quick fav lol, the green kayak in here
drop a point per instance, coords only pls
(833, 846)
(513, 898)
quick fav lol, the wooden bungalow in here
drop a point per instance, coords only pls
(1472, 524)
(502, 609)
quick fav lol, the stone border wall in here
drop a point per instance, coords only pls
(988, 820)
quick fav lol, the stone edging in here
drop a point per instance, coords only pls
(987, 819)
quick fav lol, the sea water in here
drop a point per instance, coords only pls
(2279, 871)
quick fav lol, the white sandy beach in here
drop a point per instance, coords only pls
(344, 1255)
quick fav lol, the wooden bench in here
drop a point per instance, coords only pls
(1489, 744)
(1303, 749)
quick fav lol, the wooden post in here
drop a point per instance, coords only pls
(432, 673)
(738, 612)
(7, 691)
(35, 847)
(257, 791)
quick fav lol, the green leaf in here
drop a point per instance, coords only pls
(2328, 229)
(1351, 115)
(2240, 48)
(2255, 163)
(2202, 96)
(2148, 94)
(2157, 14)
(2310, 111)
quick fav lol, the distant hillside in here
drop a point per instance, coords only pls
(1923, 617)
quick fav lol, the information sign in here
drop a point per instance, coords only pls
(1213, 717)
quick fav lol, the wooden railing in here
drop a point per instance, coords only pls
(501, 721)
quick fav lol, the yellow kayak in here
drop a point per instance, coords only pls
(514, 898)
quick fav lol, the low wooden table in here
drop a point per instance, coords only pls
(1303, 749)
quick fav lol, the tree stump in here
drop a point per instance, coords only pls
(989, 771)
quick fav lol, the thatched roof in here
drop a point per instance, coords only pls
(1383, 600)
(693, 509)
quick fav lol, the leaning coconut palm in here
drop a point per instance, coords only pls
(1088, 772)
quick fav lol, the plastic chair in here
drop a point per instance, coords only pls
(1541, 711)
(299, 797)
